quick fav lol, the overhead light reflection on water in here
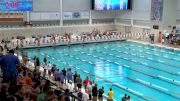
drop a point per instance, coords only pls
(107, 71)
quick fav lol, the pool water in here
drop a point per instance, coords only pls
(146, 73)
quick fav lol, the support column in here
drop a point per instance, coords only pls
(90, 17)
(132, 18)
(27, 16)
(115, 20)
(61, 13)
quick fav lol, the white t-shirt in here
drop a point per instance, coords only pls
(85, 97)
(47, 66)
(70, 87)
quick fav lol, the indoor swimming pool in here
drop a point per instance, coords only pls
(146, 73)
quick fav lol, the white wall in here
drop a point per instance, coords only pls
(178, 10)
(103, 14)
(140, 14)
(169, 13)
(46, 5)
(76, 5)
(49, 30)
(141, 9)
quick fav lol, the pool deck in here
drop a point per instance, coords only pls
(72, 43)
(156, 44)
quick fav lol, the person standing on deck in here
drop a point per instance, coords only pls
(110, 95)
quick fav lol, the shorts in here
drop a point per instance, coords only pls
(57, 79)
(79, 85)
(49, 72)
(109, 99)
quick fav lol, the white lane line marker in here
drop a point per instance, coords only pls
(160, 87)
(134, 60)
(126, 65)
(125, 58)
(160, 61)
(165, 78)
(142, 81)
(150, 58)
(136, 92)
(144, 63)
(120, 86)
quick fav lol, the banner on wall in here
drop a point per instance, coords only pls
(84, 15)
(67, 15)
(49, 16)
(156, 10)
(75, 15)
(11, 16)
(16, 5)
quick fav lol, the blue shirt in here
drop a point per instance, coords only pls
(9, 63)
(69, 75)
(57, 74)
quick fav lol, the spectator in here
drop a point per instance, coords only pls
(42, 96)
(29, 80)
(70, 87)
(36, 76)
(110, 95)
(49, 69)
(9, 63)
(124, 97)
(3, 92)
(57, 76)
(88, 90)
(62, 77)
(11, 98)
(37, 89)
(80, 95)
(1, 51)
(38, 62)
(79, 82)
(86, 82)
(66, 98)
(128, 98)
(75, 80)
(64, 73)
(20, 93)
(35, 62)
(53, 69)
(45, 59)
(20, 80)
(24, 57)
(94, 92)
(69, 75)
(100, 94)
(46, 68)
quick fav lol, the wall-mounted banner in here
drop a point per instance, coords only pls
(156, 10)
(75, 15)
(11, 16)
(16, 5)
(85, 15)
(43, 16)
(67, 15)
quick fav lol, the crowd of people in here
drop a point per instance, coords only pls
(170, 38)
(19, 83)
(54, 39)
